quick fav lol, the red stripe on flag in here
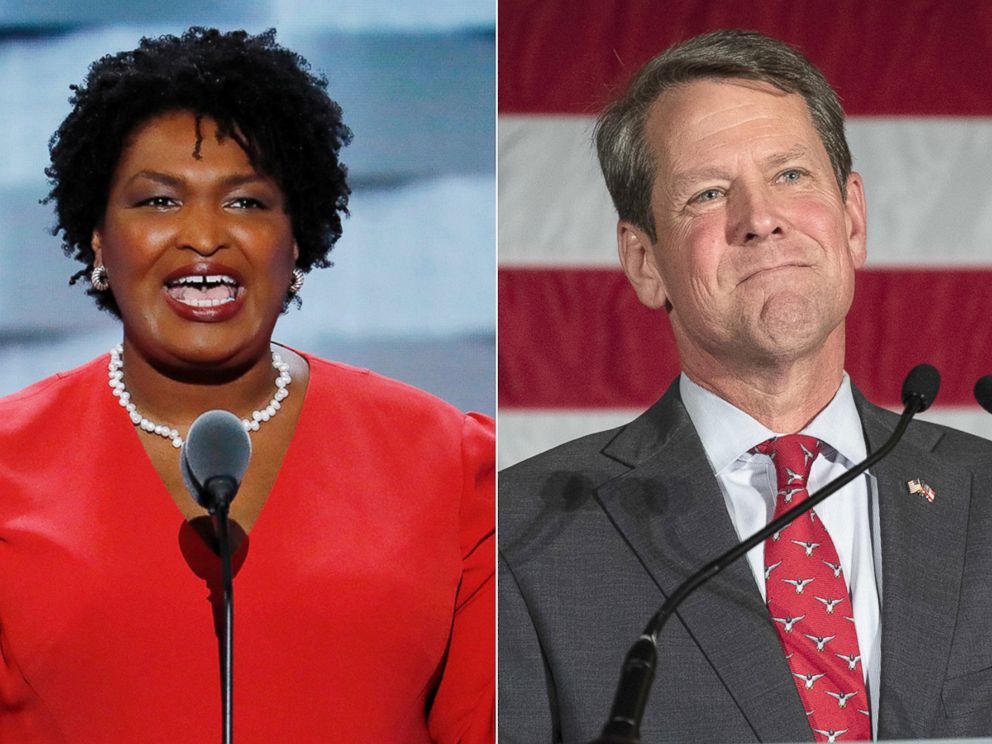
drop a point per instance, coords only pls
(883, 58)
(580, 339)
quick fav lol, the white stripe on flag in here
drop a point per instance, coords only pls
(926, 181)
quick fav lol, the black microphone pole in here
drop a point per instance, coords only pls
(637, 673)
(223, 490)
(213, 460)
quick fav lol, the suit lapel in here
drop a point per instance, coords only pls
(923, 549)
(672, 513)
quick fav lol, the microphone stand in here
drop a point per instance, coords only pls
(637, 673)
(212, 461)
(222, 490)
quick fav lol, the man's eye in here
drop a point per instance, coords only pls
(706, 196)
(791, 176)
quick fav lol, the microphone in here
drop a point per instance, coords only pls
(214, 457)
(213, 460)
(983, 392)
(922, 384)
(637, 674)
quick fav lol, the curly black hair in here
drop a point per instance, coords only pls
(260, 94)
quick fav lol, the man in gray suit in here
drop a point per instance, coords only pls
(740, 216)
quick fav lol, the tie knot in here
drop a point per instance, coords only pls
(793, 456)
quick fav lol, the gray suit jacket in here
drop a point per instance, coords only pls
(595, 533)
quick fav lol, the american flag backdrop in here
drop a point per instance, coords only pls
(578, 353)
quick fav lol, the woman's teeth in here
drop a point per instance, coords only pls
(204, 291)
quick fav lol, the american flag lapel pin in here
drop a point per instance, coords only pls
(918, 486)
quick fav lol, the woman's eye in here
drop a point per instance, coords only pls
(246, 202)
(159, 202)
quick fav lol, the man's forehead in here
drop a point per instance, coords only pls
(690, 90)
(685, 102)
(688, 113)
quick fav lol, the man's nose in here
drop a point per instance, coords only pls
(755, 214)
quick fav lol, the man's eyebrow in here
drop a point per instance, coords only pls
(789, 156)
(689, 180)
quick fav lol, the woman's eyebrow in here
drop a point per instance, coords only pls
(240, 179)
(157, 176)
(168, 179)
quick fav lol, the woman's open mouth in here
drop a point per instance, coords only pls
(204, 291)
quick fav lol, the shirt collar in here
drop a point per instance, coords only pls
(728, 432)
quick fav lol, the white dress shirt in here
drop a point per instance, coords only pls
(749, 487)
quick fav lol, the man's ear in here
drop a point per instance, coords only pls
(856, 219)
(637, 257)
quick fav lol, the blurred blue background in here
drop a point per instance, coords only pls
(412, 293)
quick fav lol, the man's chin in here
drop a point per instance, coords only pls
(794, 318)
(792, 340)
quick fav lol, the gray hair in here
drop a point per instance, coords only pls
(624, 156)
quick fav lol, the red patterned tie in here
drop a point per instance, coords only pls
(808, 601)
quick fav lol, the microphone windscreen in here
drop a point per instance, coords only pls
(983, 392)
(195, 489)
(216, 445)
(922, 383)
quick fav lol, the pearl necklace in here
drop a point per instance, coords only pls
(115, 373)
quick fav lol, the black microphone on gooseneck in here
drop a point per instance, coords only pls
(637, 675)
(213, 460)
(983, 392)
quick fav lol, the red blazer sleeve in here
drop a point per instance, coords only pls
(464, 706)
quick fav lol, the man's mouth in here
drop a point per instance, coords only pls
(204, 291)
(772, 269)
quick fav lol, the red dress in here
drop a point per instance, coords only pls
(363, 597)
